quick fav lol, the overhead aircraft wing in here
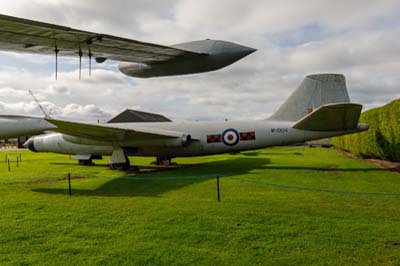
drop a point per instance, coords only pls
(22, 35)
(111, 132)
(331, 117)
(12, 126)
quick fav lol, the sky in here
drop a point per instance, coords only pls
(356, 38)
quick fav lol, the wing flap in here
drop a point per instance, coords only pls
(331, 117)
(22, 35)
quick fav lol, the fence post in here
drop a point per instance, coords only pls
(219, 199)
(69, 184)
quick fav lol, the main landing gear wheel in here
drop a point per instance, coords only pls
(163, 160)
(121, 166)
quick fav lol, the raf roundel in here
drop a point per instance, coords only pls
(230, 137)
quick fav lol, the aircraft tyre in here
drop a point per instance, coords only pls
(121, 166)
(163, 161)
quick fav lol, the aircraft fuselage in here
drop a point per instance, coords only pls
(207, 138)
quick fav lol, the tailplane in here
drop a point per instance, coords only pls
(331, 117)
(314, 91)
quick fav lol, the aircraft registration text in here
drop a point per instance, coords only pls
(279, 130)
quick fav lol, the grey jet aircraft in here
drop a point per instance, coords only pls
(319, 108)
(137, 59)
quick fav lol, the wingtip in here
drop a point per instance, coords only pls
(250, 50)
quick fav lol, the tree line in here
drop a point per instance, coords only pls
(382, 140)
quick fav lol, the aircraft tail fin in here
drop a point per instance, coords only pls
(331, 117)
(314, 91)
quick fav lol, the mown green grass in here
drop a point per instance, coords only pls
(280, 206)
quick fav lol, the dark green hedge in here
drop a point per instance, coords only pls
(382, 140)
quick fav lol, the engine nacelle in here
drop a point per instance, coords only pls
(57, 144)
(209, 55)
(184, 141)
(65, 144)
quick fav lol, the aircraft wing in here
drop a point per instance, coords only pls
(22, 35)
(111, 132)
(331, 117)
(12, 126)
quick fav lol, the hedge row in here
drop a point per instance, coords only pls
(382, 140)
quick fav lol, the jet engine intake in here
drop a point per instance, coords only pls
(186, 140)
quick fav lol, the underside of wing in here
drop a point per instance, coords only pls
(331, 117)
(110, 132)
(21, 35)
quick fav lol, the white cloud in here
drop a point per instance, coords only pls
(293, 38)
(89, 111)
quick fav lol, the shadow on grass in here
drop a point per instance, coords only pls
(75, 164)
(155, 184)
(326, 169)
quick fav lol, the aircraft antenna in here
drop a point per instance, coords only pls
(40, 106)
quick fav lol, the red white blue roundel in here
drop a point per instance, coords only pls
(230, 137)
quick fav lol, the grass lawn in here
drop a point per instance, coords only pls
(280, 206)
